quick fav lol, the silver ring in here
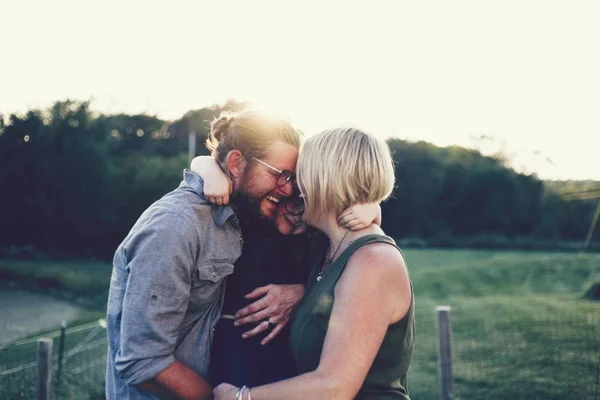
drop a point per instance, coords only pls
(269, 324)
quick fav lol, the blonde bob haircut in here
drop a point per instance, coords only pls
(341, 167)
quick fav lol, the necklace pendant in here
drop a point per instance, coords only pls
(319, 278)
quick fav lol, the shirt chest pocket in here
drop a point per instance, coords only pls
(208, 283)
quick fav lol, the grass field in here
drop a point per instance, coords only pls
(83, 282)
(521, 329)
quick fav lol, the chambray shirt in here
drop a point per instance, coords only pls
(167, 288)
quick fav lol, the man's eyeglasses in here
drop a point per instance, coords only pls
(294, 204)
(284, 177)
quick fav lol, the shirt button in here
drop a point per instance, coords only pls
(214, 273)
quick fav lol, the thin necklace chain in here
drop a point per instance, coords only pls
(328, 260)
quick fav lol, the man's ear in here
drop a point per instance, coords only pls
(235, 163)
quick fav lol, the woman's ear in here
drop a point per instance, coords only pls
(235, 163)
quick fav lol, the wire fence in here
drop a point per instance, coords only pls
(78, 366)
(534, 359)
(550, 357)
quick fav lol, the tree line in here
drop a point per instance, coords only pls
(73, 182)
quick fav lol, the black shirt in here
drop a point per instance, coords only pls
(268, 257)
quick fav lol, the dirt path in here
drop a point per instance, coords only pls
(23, 314)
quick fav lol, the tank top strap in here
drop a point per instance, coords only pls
(340, 263)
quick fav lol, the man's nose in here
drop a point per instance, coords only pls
(287, 189)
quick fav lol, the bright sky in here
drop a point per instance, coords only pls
(524, 72)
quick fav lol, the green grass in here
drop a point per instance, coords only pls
(84, 282)
(521, 326)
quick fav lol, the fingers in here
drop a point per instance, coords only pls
(264, 327)
(218, 200)
(258, 292)
(222, 200)
(355, 225)
(260, 328)
(358, 227)
(347, 218)
(347, 221)
(344, 216)
(274, 332)
(255, 317)
(350, 223)
(252, 308)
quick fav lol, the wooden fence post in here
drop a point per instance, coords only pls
(61, 350)
(444, 351)
(44, 369)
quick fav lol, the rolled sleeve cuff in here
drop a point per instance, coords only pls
(145, 370)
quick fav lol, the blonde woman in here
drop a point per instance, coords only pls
(353, 335)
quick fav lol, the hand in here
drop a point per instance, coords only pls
(225, 391)
(217, 185)
(275, 304)
(359, 216)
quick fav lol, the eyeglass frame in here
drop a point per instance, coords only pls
(296, 199)
(290, 175)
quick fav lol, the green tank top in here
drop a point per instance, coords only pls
(386, 378)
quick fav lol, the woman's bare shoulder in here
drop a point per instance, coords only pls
(378, 255)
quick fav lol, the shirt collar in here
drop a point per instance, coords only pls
(220, 213)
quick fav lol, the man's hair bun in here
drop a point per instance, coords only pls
(220, 126)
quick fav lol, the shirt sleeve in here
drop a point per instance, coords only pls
(160, 257)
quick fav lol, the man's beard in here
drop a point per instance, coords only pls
(247, 207)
